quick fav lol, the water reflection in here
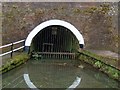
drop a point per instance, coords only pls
(57, 74)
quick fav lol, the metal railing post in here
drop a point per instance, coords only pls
(24, 45)
(12, 50)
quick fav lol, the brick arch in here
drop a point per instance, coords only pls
(45, 24)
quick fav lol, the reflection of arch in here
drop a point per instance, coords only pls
(54, 22)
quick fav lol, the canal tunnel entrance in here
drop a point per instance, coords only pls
(54, 38)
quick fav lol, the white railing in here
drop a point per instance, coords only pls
(12, 46)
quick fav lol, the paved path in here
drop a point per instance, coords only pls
(105, 53)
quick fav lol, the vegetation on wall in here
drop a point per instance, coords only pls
(99, 29)
(96, 21)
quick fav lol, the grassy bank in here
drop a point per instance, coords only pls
(14, 62)
(97, 62)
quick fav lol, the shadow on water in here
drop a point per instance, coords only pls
(57, 74)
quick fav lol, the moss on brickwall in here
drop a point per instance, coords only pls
(95, 23)
(14, 62)
(97, 62)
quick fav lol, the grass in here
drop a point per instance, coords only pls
(14, 62)
(97, 62)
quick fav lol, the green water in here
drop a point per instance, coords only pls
(57, 74)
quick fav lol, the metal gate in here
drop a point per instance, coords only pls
(55, 42)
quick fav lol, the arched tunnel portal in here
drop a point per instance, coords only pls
(54, 39)
(54, 36)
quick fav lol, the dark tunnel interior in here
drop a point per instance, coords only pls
(55, 39)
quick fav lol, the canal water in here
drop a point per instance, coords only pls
(57, 74)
